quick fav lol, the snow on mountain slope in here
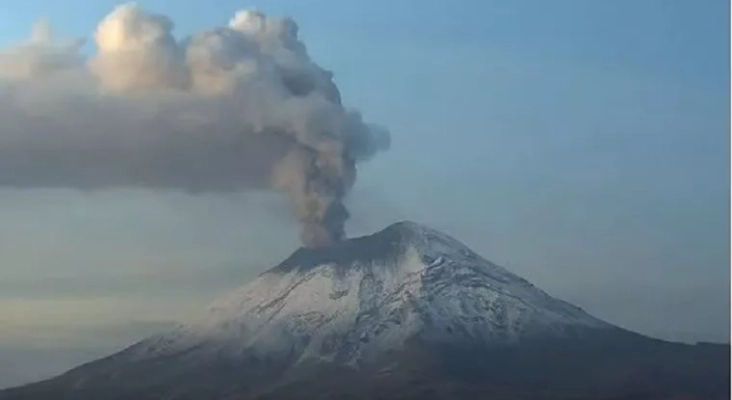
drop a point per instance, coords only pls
(406, 313)
(370, 295)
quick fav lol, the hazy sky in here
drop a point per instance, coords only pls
(582, 144)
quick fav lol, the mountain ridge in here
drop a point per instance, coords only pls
(405, 266)
(406, 310)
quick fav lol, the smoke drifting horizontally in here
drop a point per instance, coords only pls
(233, 108)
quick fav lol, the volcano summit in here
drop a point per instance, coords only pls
(406, 313)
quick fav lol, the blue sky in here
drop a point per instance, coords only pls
(583, 144)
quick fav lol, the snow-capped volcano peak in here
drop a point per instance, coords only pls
(382, 249)
(364, 296)
(406, 313)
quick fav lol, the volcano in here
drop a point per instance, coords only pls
(406, 313)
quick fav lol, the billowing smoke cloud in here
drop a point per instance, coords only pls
(232, 108)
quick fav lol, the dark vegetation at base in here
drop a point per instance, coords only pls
(608, 365)
(617, 365)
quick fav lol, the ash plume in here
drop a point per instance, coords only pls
(233, 108)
